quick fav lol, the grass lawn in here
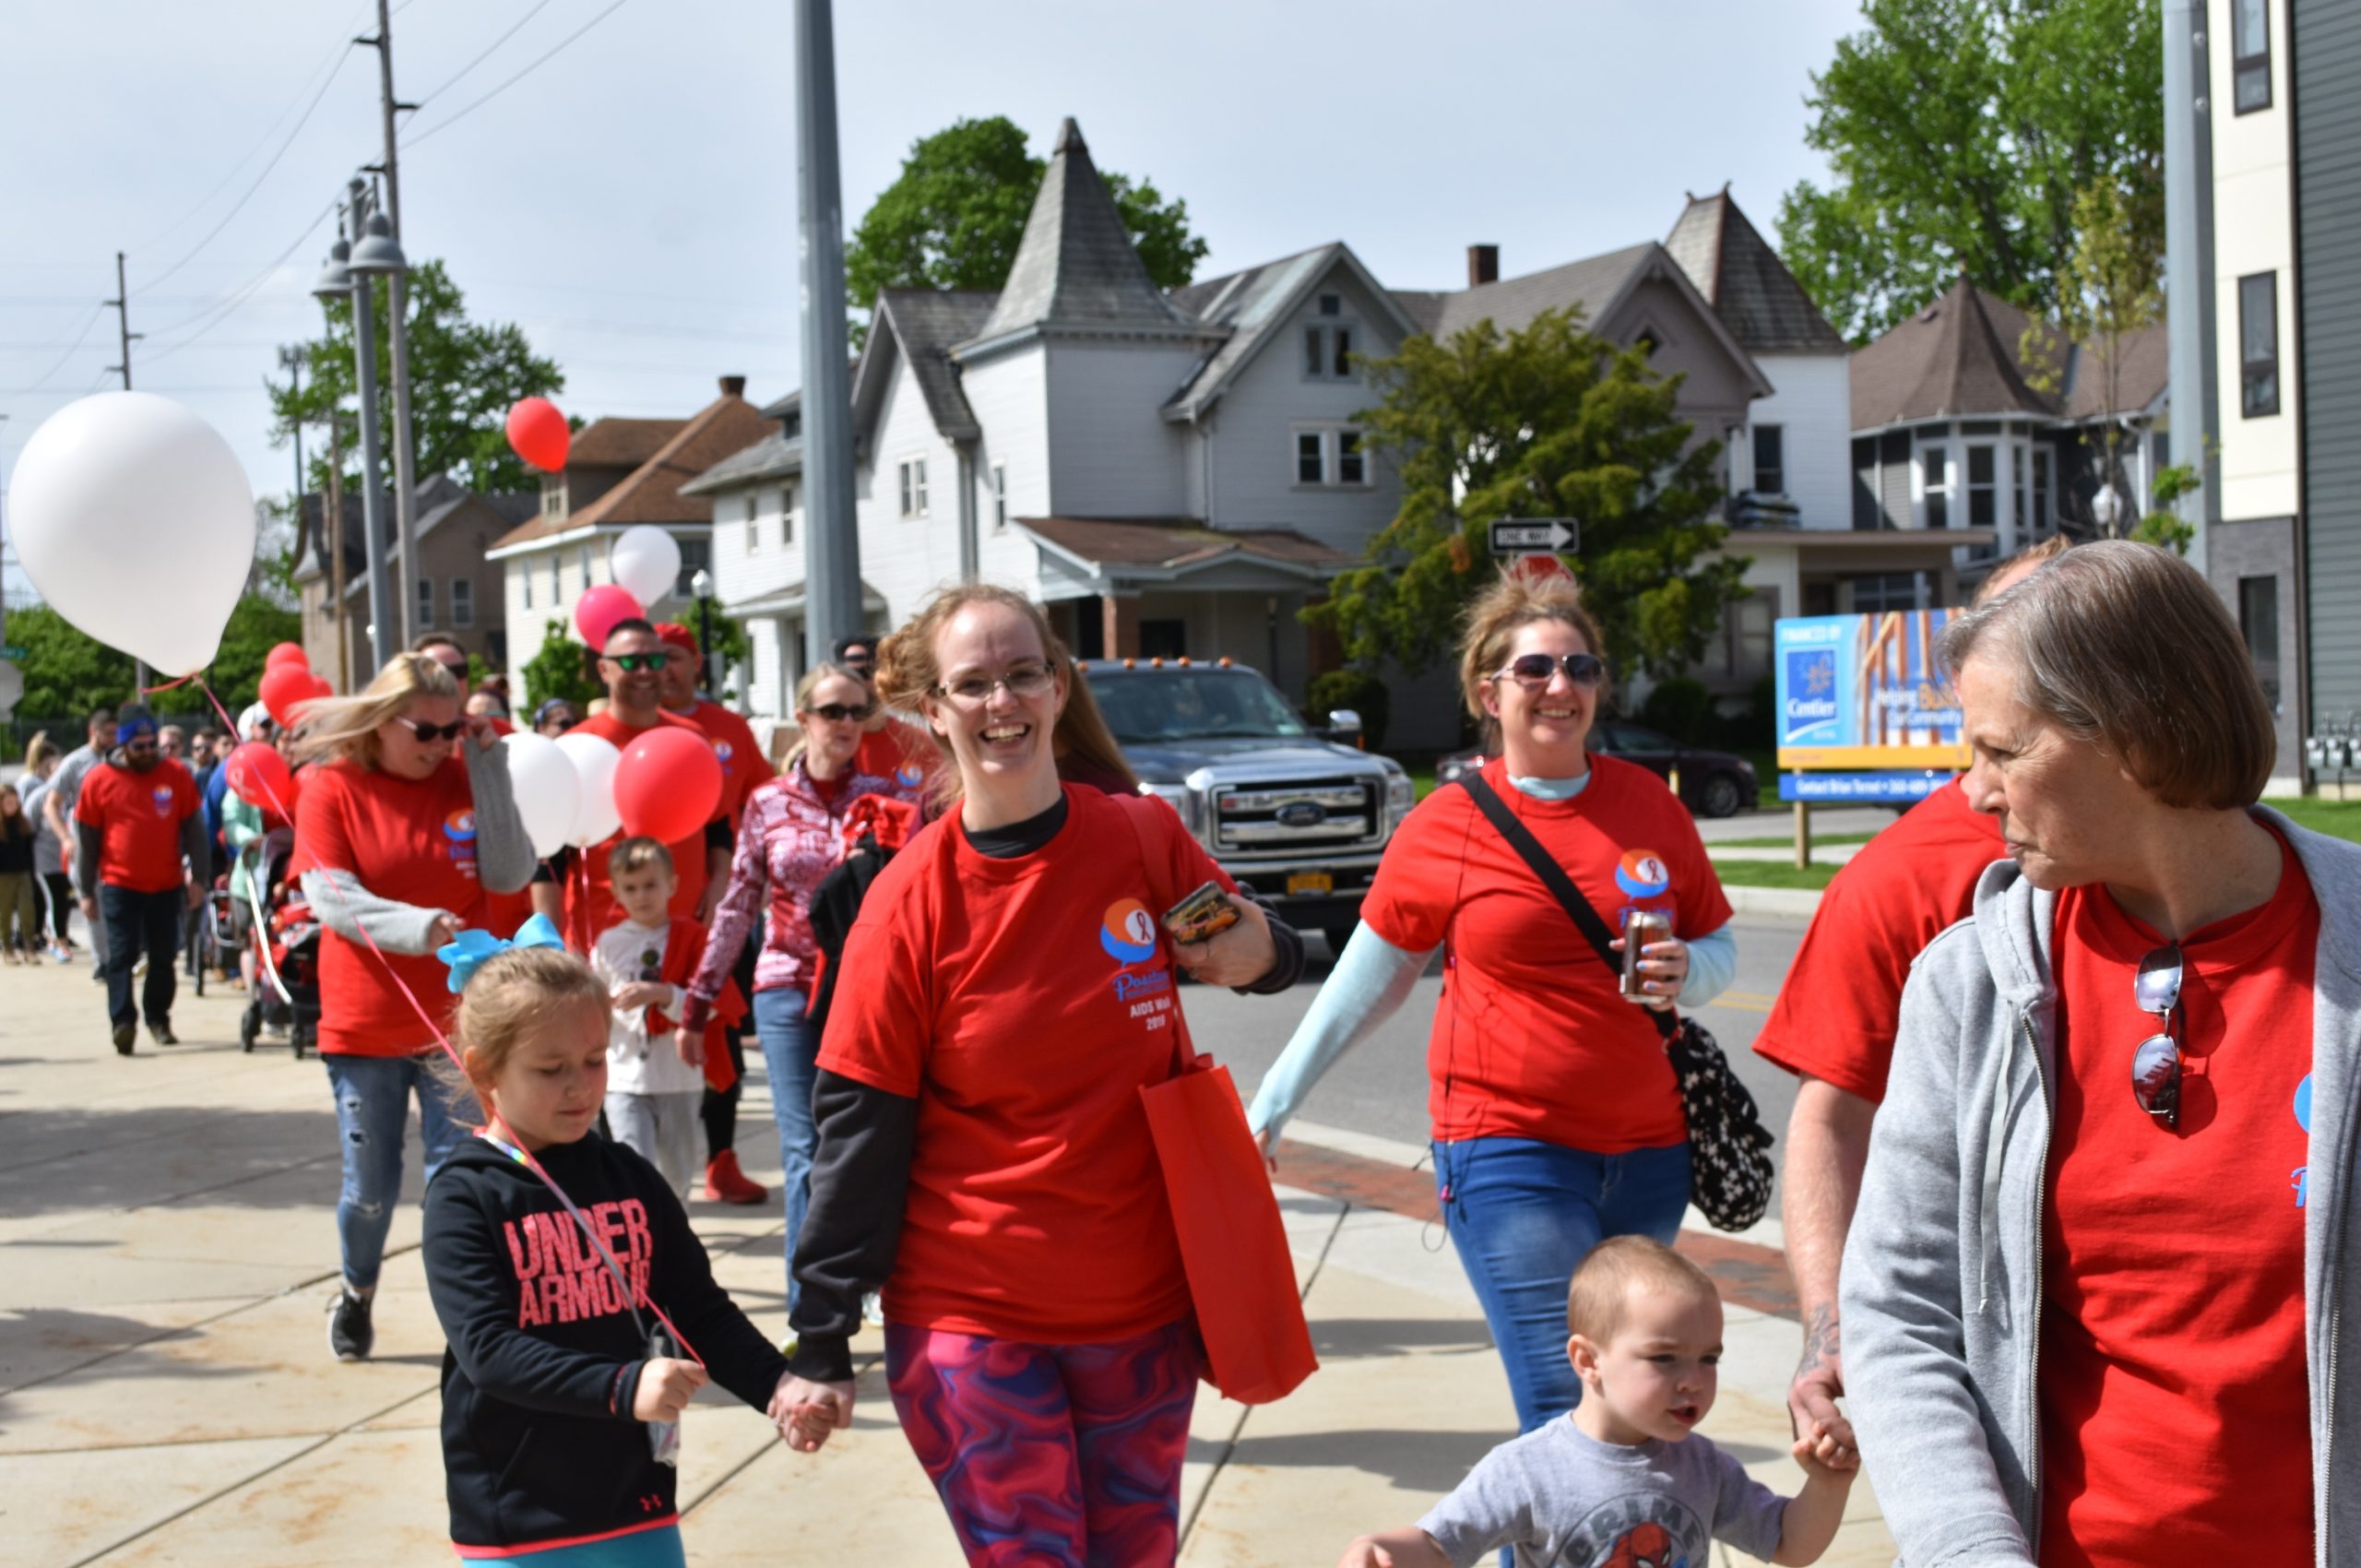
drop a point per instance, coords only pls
(1422, 778)
(1772, 873)
(2338, 819)
(1787, 840)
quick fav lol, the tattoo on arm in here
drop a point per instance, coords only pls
(1821, 1340)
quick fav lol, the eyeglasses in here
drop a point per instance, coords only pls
(2156, 1062)
(429, 733)
(841, 712)
(636, 663)
(1532, 670)
(1022, 681)
(561, 725)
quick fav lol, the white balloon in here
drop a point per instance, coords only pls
(596, 817)
(647, 563)
(549, 792)
(135, 520)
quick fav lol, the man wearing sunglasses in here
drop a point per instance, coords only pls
(2094, 1294)
(138, 827)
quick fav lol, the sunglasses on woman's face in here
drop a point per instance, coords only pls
(2156, 1062)
(428, 734)
(637, 663)
(1532, 671)
(560, 725)
(839, 713)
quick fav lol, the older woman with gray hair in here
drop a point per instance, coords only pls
(2094, 1292)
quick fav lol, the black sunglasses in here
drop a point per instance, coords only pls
(2156, 1062)
(562, 724)
(1584, 670)
(429, 733)
(841, 712)
(631, 663)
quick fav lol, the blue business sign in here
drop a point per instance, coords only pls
(1860, 788)
(1860, 692)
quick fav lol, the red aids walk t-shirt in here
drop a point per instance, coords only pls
(1024, 1002)
(412, 841)
(2175, 1421)
(138, 816)
(1532, 1038)
(743, 766)
(590, 906)
(1842, 1000)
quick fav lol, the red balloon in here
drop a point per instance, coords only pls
(539, 432)
(286, 653)
(286, 688)
(321, 686)
(258, 776)
(668, 784)
(595, 612)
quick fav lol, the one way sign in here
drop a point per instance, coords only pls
(1534, 536)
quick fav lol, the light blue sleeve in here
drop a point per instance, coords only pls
(1713, 964)
(1370, 982)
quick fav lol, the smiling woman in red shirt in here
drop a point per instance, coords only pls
(399, 833)
(983, 1154)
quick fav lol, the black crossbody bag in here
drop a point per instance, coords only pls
(1728, 1147)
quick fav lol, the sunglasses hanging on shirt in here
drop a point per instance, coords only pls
(2156, 1062)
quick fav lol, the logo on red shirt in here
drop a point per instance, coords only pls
(459, 828)
(1642, 874)
(722, 750)
(2300, 1178)
(1129, 933)
(162, 795)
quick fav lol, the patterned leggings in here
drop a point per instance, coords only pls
(1052, 1454)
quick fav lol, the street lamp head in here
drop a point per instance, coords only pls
(377, 254)
(701, 585)
(336, 279)
(2106, 505)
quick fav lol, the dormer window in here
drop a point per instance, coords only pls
(553, 497)
(1332, 304)
(1328, 352)
(1648, 342)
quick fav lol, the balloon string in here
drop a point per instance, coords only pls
(525, 1156)
(151, 691)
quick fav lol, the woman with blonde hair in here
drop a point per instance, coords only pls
(789, 837)
(1557, 1118)
(400, 829)
(1006, 994)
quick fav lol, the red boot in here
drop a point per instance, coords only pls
(724, 1182)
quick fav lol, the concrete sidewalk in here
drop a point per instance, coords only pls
(167, 1248)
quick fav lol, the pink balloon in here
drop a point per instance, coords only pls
(595, 612)
(285, 653)
(538, 431)
(668, 784)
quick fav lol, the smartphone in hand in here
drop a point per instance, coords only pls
(1204, 914)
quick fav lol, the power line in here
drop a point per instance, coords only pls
(230, 307)
(452, 80)
(80, 338)
(454, 119)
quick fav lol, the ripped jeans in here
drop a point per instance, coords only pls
(372, 1122)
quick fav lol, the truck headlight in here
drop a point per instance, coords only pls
(1183, 801)
(1400, 796)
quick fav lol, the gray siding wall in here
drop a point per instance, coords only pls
(2264, 549)
(2326, 65)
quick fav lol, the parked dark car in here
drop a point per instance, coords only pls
(1712, 783)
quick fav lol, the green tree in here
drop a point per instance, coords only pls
(1959, 133)
(954, 215)
(463, 376)
(68, 672)
(1552, 420)
(559, 668)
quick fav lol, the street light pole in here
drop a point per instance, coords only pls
(832, 602)
(398, 332)
(338, 279)
(701, 585)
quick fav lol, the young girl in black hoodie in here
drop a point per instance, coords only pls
(560, 1386)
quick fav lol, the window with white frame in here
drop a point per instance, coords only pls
(1770, 460)
(1983, 488)
(696, 555)
(557, 585)
(1332, 456)
(1888, 590)
(1000, 498)
(1934, 466)
(1747, 626)
(525, 579)
(2251, 54)
(786, 515)
(754, 526)
(913, 476)
(1328, 346)
(2044, 509)
(553, 497)
(426, 601)
(586, 568)
(463, 604)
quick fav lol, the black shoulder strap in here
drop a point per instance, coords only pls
(1553, 877)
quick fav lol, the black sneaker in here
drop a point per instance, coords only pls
(162, 1033)
(124, 1035)
(351, 1333)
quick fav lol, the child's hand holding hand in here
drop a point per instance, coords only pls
(1394, 1548)
(665, 1388)
(1824, 1457)
(641, 993)
(691, 1046)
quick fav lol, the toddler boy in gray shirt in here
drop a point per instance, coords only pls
(1623, 1481)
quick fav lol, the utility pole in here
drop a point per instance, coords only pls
(333, 531)
(293, 358)
(398, 324)
(833, 609)
(122, 302)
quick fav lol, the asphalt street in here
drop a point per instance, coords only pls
(1380, 1088)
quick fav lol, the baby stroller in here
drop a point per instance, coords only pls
(286, 938)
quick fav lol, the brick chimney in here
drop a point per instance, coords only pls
(1483, 265)
(733, 386)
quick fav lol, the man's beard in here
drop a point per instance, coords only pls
(139, 763)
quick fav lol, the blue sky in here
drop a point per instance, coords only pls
(631, 202)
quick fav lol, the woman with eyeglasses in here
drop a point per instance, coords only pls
(2092, 1297)
(791, 835)
(403, 826)
(1556, 1117)
(1006, 993)
(555, 717)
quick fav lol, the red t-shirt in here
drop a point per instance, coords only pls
(1532, 1038)
(743, 766)
(1842, 1000)
(590, 906)
(902, 752)
(138, 816)
(2174, 1415)
(409, 841)
(1024, 1002)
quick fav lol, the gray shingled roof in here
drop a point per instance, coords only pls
(2144, 371)
(926, 323)
(1512, 303)
(1743, 279)
(1423, 306)
(1957, 357)
(1075, 265)
(774, 456)
(1181, 544)
(1243, 309)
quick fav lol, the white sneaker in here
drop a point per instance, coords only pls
(871, 1313)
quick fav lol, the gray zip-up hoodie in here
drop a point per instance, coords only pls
(1942, 1281)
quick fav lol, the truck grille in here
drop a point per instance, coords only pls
(1314, 813)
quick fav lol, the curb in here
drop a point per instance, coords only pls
(1747, 900)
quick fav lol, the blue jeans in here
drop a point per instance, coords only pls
(371, 1120)
(791, 1055)
(1523, 1215)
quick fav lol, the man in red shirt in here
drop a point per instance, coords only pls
(138, 827)
(1833, 1028)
